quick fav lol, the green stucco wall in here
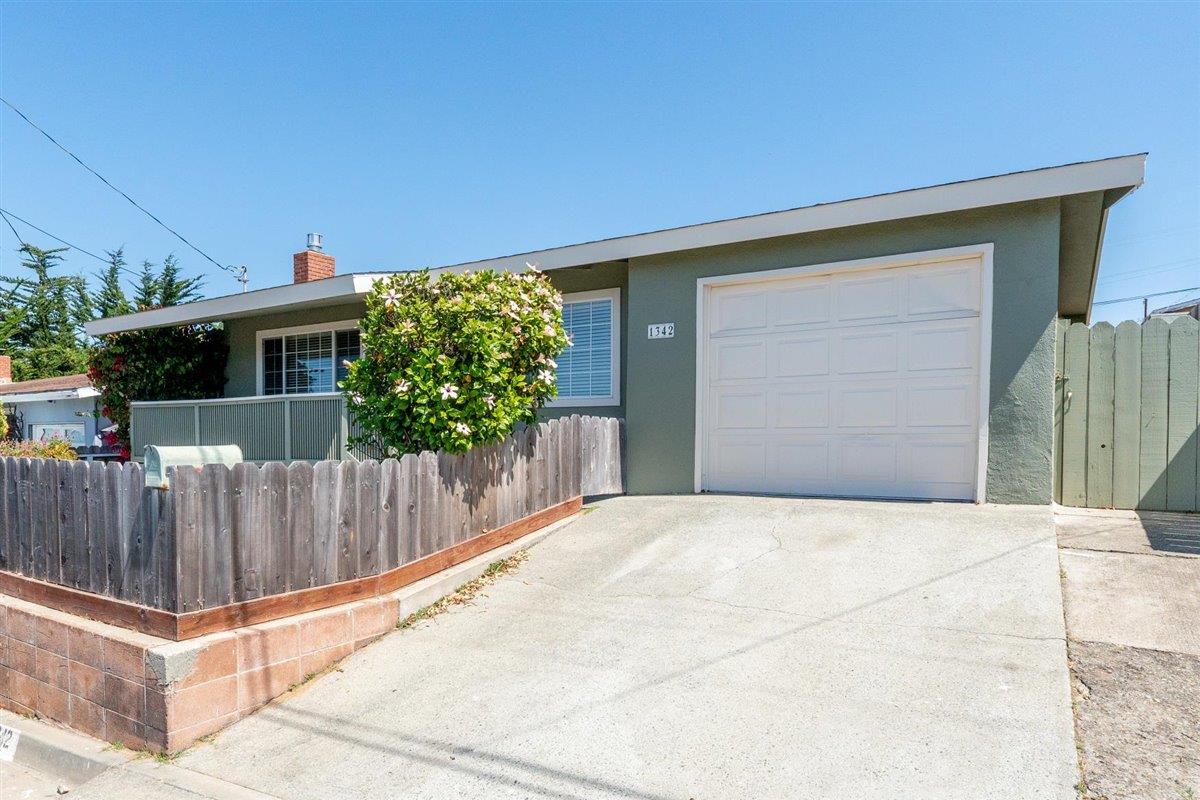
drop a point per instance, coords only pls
(658, 378)
(242, 369)
(660, 393)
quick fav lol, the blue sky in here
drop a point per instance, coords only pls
(415, 135)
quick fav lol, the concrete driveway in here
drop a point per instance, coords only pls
(703, 647)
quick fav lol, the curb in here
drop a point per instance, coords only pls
(62, 753)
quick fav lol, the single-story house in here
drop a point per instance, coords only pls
(897, 345)
(1186, 308)
(65, 407)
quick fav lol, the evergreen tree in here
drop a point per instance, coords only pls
(173, 289)
(145, 291)
(47, 340)
(110, 300)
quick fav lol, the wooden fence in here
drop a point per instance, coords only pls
(1127, 411)
(221, 536)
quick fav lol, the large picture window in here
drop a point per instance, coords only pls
(589, 369)
(306, 360)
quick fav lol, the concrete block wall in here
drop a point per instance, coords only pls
(152, 694)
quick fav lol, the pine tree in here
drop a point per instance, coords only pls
(145, 291)
(47, 340)
(110, 300)
(172, 289)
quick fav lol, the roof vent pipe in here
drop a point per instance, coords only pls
(314, 241)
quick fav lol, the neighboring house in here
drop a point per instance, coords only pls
(899, 345)
(1188, 308)
(47, 407)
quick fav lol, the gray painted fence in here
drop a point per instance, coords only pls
(1127, 412)
(295, 427)
(221, 535)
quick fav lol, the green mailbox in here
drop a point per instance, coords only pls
(159, 458)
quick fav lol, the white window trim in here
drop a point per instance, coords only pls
(320, 327)
(613, 399)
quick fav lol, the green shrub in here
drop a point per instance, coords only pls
(183, 363)
(54, 447)
(456, 361)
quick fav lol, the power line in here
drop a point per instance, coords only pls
(11, 228)
(6, 214)
(1144, 296)
(105, 181)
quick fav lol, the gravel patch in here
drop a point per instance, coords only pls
(1137, 715)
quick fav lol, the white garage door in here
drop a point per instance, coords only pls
(858, 383)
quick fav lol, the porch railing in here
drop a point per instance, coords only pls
(311, 427)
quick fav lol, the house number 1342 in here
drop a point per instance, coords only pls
(661, 330)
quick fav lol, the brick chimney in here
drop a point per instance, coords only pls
(310, 264)
(5, 369)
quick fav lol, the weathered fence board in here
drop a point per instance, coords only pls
(1127, 415)
(219, 536)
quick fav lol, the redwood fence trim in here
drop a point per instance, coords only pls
(220, 536)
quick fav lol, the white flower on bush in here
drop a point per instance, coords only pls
(407, 326)
(449, 391)
(548, 330)
(356, 398)
(391, 298)
(402, 386)
(546, 376)
(346, 363)
(490, 401)
(463, 428)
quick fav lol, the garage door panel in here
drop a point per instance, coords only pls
(805, 463)
(868, 351)
(867, 406)
(945, 288)
(741, 311)
(943, 346)
(873, 459)
(865, 384)
(740, 457)
(797, 357)
(807, 408)
(803, 305)
(740, 360)
(942, 405)
(741, 410)
(876, 297)
(938, 460)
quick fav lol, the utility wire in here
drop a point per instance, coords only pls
(104, 180)
(11, 228)
(6, 214)
(1144, 296)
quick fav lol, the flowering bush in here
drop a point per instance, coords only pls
(55, 447)
(182, 363)
(456, 361)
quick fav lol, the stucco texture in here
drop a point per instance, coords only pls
(660, 391)
(658, 377)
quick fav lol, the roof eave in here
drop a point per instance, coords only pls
(329, 291)
(1121, 172)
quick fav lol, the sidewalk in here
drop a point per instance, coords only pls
(1131, 584)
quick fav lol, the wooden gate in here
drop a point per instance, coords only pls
(1127, 409)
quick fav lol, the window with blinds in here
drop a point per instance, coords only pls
(305, 363)
(587, 369)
